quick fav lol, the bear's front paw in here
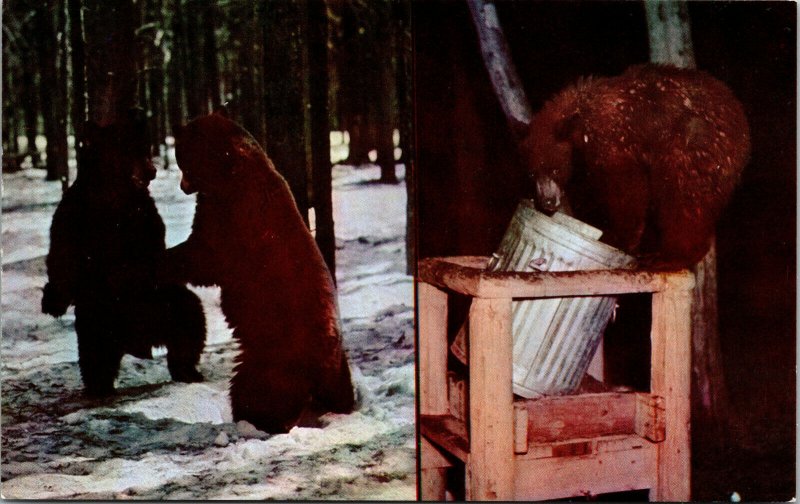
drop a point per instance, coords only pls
(54, 302)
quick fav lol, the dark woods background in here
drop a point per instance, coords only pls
(289, 71)
(470, 181)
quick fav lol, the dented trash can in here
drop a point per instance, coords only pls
(554, 339)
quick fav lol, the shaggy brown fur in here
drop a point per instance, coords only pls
(277, 293)
(651, 157)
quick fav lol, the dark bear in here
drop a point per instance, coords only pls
(651, 157)
(277, 293)
(106, 242)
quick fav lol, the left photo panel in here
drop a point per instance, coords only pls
(206, 250)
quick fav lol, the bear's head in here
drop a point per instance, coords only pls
(212, 153)
(117, 157)
(549, 147)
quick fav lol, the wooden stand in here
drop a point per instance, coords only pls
(552, 447)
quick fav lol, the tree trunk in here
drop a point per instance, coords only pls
(670, 42)
(52, 95)
(502, 72)
(384, 119)
(211, 71)
(669, 33)
(357, 126)
(10, 158)
(405, 122)
(196, 105)
(110, 59)
(30, 106)
(153, 78)
(175, 68)
(708, 390)
(320, 131)
(403, 52)
(357, 82)
(284, 40)
(78, 55)
(61, 90)
(248, 104)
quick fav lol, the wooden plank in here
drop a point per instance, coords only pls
(447, 273)
(464, 276)
(490, 467)
(671, 379)
(584, 446)
(446, 432)
(520, 427)
(433, 472)
(650, 421)
(431, 456)
(580, 416)
(432, 305)
(432, 484)
(560, 477)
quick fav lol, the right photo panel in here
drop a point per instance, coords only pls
(606, 250)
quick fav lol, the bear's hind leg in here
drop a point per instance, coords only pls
(335, 390)
(686, 210)
(183, 333)
(99, 351)
(268, 393)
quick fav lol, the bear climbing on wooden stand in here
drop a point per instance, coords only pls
(277, 294)
(650, 157)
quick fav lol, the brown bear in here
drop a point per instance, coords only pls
(277, 293)
(651, 157)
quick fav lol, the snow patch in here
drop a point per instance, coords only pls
(110, 477)
(190, 403)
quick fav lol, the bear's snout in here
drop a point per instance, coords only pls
(548, 194)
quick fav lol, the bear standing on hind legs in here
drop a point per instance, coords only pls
(277, 294)
(106, 241)
(650, 157)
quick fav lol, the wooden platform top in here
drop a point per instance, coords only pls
(468, 275)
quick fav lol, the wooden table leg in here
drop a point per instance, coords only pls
(432, 305)
(433, 472)
(432, 348)
(671, 379)
(490, 468)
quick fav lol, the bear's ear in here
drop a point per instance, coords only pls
(222, 111)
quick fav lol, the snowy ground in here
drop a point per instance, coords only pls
(161, 440)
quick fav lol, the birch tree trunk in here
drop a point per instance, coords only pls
(502, 72)
(671, 43)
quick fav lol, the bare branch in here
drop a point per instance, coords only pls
(502, 72)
